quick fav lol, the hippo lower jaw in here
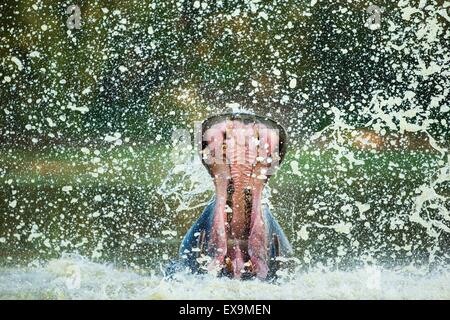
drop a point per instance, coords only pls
(239, 238)
(239, 248)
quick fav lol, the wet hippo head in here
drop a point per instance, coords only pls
(240, 151)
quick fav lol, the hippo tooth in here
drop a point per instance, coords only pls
(228, 264)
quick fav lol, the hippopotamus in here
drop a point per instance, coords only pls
(236, 235)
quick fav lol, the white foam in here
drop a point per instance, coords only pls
(74, 277)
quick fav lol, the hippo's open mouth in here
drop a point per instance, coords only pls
(241, 152)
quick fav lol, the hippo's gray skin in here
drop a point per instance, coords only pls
(278, 242)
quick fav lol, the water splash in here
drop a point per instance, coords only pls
(88, 111)
(101, 281)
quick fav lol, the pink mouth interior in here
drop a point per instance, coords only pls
(240, 157)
